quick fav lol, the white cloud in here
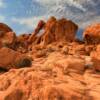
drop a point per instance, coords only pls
(30, 22)
(2, 4)
(47, 2)
(75, 3)
(95, 19)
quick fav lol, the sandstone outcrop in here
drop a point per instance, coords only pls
(4, 28)
(50, 64)
(12, 59)
(91, 34)
(96, 58)
(7, 36)
(55, 30)
(51, 78)
(1, 44)
(33, 37)
(8, 39)
(21, 43)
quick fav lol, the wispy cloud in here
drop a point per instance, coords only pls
(95, 19)
(29, 22)
(50, 3)
(82, 12)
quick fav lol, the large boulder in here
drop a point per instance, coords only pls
(12, 59)
(7, 36)
(91, 34)
(4, 28)
(8, 39)
(66, 30)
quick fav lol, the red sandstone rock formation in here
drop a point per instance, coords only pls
(96, 57)
(56, 30)
(23, 37)
(4, 28)
(12, 59)
(39, 27)
(7, 36)
(22, 43)
(92, 34)
(8, 39)
(57, 77)
(60, 70)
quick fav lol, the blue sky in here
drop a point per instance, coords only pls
(12, 11)
(23, 15)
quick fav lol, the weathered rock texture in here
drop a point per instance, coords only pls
(92, 34)
(96, 57)
(8, 39)
(55, 30)
(58, 77)
(21, 43)
(39, 27)
(12, 59)
(7, 36)
(60, 67)
(4, 28)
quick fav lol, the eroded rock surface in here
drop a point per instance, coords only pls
(91, 34)
(96, 57)
(12, 59)
(8, 39)
(55, 30)
(4, 28)
(50, 64)
(7, 36)
(57, 77)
